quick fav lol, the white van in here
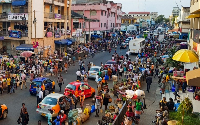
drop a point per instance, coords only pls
(136, 45)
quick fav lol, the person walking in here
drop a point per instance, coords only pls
(40, 95)
(38, 89)
(60, 81)
(176, 91)
(8, 80)
(23, 78)
(78, 73)
(24, 115)
(148, 81)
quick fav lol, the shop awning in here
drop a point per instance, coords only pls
(18, 2)
(96, 36)
(193, 77)
(71, 39)
(193, 16)
(63, 42)
(25, 47)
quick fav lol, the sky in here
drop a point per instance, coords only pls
(163, 7)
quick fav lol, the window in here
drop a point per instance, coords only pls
(111, 24)
(104, 24)
(114, 14)
(101, 24)
(50, 9)
(102, 13)
(76, 25)
(105, 13)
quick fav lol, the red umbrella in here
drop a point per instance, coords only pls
(26, 53)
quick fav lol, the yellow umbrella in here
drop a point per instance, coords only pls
(185, 55)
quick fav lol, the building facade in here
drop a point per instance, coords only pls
(194, 26)
(108, 13)
(140, 15)
(153, 15)
(175, 11)
(39, 22)
(183, 22)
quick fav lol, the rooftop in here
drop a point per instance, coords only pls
(139, 13)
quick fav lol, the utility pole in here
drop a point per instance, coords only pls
(89, 27)
(35, 25)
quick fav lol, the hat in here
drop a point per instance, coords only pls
(61, 111)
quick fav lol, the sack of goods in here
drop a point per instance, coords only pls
(88, 107)
(72, 115)
(83, 117)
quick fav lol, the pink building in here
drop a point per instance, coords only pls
(108, 15)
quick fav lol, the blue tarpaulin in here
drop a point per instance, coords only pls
(96, 36)
(25, 47)
(18, 2)
(64, 42)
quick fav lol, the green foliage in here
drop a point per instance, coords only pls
(185, 106)
(170, 61)
(185, 112)
(192, 119)
(166, 20)
(159, 19)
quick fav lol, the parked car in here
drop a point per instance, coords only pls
(50, 102)
(3, 111)
(109, 63)
(76, 88)
(94, 70)
(123, 46)
(38, 81)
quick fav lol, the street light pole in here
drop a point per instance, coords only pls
(89, 27)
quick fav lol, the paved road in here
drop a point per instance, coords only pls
(15, 100)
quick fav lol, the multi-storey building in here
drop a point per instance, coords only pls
(175, 11)
(41, 22)
(153, 15)
(108, 13)
(194, 32)
(140, 15)
(183, 22)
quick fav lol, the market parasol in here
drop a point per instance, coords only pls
(185, 55)
(26, 53)
(193, 77)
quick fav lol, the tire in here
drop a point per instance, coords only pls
(5, 114)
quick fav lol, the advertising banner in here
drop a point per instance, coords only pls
(17, 16)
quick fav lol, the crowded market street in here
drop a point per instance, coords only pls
(13, 101)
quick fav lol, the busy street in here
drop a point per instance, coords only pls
(99, 62)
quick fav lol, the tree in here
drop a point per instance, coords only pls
(170, 61)
(166, 20)
(159, 19)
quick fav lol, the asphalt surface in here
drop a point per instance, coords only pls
(14, 101)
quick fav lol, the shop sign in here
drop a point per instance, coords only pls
(48, 1)
(57, 16)
(195, 45)
(75, 20)
(35, 44)
(5, 1)
(1, 37)
(17, 16)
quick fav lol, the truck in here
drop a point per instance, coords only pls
(136, 45)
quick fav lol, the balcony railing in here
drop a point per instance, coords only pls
(54, 16)
(3, 15)
(55, 33)
(6, 33)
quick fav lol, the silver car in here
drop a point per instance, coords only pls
(50, 102)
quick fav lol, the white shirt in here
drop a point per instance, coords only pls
(41, 95)
(127, 53)
(78, 73)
